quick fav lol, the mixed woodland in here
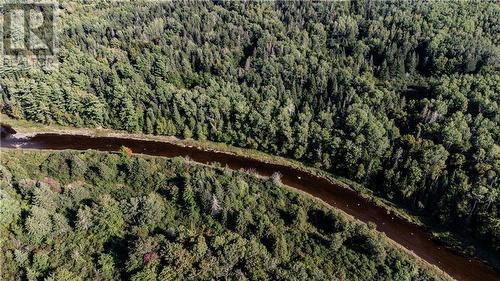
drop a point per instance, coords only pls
(69, 216)
(401, 97)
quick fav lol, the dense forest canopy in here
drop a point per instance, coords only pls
(96, 216)
(402, 97)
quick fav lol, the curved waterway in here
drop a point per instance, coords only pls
(411, 236)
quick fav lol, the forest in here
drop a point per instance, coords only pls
(401, 97)
(111, 216)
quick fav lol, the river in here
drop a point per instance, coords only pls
(411, 236)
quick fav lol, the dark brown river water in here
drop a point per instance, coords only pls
(412, 237)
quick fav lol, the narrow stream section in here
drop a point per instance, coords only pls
(411, 236)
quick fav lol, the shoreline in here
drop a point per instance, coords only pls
(27, 129)
(419, 261)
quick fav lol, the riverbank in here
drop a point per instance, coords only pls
(25, 128)
(38, 156)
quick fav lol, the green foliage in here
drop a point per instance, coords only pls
(9, 209)
(384, 93)
(38, 224)
(114, 231)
